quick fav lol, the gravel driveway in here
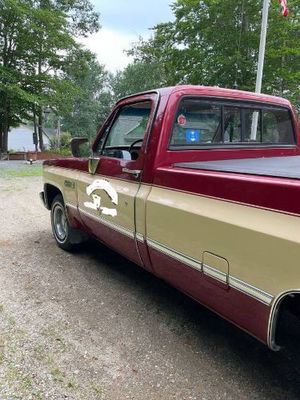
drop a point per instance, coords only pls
(92, 325)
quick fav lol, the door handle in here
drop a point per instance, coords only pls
(135, 172)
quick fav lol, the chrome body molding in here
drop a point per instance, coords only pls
(191, 262)
(112, 225)
(215, 273)
(252, 291)
(109, 224)
(139, 237)
(233, 282)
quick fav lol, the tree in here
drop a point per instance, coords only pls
(36, 39)
(93, 100)
(78, 18)
(15, 100)
(215, 42)
(137, 77)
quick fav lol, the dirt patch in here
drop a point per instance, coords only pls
(91, 325)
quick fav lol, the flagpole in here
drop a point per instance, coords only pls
(261, 59)
(262, 46)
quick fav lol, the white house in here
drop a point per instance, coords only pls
(20, 139)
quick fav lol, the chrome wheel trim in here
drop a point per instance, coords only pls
(60, 223)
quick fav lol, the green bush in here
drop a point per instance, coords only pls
(61, 145)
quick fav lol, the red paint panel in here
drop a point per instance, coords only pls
(244, 311)
(279, 194)
(227, 93)
(112, 238)
(74, 218)
(144, 253)
(80, 164)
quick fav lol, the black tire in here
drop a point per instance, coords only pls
(66, 237)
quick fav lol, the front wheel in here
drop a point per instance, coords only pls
(66, 237)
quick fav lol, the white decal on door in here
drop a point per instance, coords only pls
(101, 184)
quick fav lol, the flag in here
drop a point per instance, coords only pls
(284, 8)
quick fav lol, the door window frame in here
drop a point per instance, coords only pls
(153, 98)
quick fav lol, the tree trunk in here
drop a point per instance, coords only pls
(5, 140)
(40, 130)
(1, 140)
(4, 127)
(4, 124)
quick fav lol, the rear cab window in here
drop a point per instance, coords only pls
(208, 122)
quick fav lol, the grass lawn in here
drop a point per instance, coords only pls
(22, 171)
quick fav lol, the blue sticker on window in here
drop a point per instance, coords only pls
(192, 135)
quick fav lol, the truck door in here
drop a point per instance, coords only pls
(107, 192)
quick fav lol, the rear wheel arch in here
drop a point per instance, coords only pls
(287, 302)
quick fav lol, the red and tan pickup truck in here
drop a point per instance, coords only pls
(200, 186)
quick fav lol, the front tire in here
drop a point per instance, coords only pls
(65, 236)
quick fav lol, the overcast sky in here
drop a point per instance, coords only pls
(123, 21)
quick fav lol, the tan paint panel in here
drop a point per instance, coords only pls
(141, 199)
(126, 193)
(262, 247)
(57, 176)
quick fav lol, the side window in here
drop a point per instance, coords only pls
(232, 125)
(277, 127)
(201, 122)
(125, 136)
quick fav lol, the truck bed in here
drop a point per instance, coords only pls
(287, 167)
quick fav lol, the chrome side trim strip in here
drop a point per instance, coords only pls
(233, 282)
(109, 224)
(175, 254)
(214, 273)
(252, 291)
(139, 237)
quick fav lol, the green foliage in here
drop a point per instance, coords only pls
(215, 42)
(36, 40)
(137, 77)
(61, 144)
(93, 100)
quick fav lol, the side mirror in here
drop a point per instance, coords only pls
(80, 147)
